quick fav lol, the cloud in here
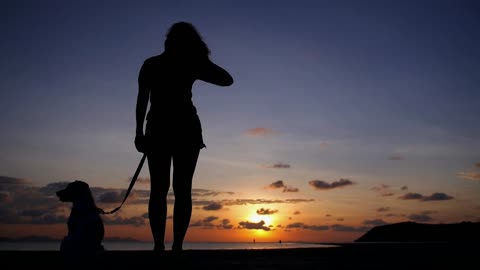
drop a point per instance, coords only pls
(300, 225)
(253, 226)
(32, 212)
(207, 223)
(110, 197)
(322, 185)
(134, 221)
(260, 132)
(404, 188)
(296, 212)
(344, 228)
(199, 192)
(263, 201)
(395, 157)
(266, 211)
(140, 180)
(411, 196)
(477, 164)
(383, 209)
(51, 188)
(383, 190)
(49, 219)
(469, 175)
(374, 222)
(5, 197)
(298, 200)
(290, 189)
(214, 206)
(279, 165)
(225, 224)
(335, 227)
(210, 219)
(7, 180)
(279, 184)
(437, 196)
(420, 217)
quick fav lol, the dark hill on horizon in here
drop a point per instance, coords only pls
(420, 232)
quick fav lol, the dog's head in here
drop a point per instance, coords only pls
(75, 191)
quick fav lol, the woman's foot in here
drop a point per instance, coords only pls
(159, 248)
(177, 249)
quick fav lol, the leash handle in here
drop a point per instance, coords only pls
(132, 182)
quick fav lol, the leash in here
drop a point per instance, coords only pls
(132, 182)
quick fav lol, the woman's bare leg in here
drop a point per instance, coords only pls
(159, 166)
(184, 163)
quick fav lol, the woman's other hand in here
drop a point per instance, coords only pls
(140, 143)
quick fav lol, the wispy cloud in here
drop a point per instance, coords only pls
(334, 227)
(421, 217)
(200, 192)
(345, 228)
(6, 180)
(300, 225)
(383, 190)
(383, 209)
(225, 224)
(469, 175)
(395, 157)
(276, 184)
(374, 222)
(253, 225)
(136, 221)
(260, 132)
(266, 211)
(264, 201)
(279, 184)
(140, 180)
(437, 196)
(214, 206)
(206, 222)
(279, 165)
(323, 185)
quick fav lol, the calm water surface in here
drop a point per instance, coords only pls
(149, 245)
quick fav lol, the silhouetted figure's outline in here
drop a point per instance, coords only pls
(173, 129)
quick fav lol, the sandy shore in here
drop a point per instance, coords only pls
(347, 256)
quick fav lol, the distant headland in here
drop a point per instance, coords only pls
(420, 232)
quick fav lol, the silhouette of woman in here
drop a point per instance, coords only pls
(173, 131)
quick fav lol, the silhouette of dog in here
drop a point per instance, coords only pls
(85, 226)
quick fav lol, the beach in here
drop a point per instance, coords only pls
(344, 256)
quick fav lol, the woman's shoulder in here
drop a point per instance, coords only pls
(154, 59)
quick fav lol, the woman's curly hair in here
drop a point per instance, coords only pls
(183, 38)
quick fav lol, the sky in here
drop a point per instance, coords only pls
(344, 115)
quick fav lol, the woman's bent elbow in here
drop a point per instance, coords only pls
(227, 82)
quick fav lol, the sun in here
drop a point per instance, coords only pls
(256, 218)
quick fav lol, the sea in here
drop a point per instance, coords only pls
(137, 246)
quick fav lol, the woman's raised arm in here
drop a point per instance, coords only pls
(212, 73)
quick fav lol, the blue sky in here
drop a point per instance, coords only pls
(380, 92)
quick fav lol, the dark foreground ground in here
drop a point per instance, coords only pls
(349, 256)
